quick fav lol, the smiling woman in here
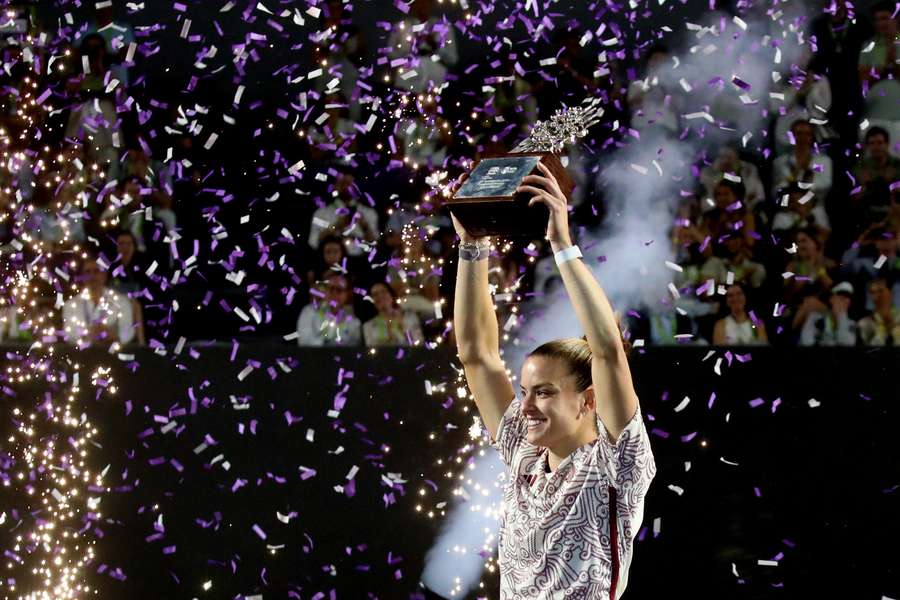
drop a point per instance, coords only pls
(577, 451)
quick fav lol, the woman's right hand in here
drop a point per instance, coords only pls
(461, 232)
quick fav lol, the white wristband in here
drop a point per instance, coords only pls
(566, 255)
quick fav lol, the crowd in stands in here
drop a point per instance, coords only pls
(794, 242)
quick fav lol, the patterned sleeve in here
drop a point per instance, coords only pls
(629, 461)
(510, 432)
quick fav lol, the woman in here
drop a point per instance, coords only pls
(575, 443)
(391, 326)
(810, 269)
(736, 329)
(331, 257)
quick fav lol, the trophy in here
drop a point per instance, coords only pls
(487, 202)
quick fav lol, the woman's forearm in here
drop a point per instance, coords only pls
(592, 307)
(474, 318)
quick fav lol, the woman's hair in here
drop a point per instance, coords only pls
(576, 354)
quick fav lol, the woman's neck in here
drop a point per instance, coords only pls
(559, 452)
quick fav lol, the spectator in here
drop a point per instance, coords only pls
(736, 262)
(118, 36)
(391, 326)
(123, 209)
(737, 328)
(803, 94)
(425, 136)
(415, 277)
(879, 70)
(810, 269)
(882, 326)
(341, 51)
(874, 174)
(128, 276)
(98, 313)
(429, 47)
(153, 174)
(346, 216)
(728, 161)
(654, 100)
(831, 327)
(11, 329)
(863, 263)
(730, 216)
(839, 38)
(95, 122)
(330, 321)
(331, 256)
(802, 211)
(803, 165)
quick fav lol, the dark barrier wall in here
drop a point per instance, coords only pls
(813, 434)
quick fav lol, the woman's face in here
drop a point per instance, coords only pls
(806, 246)
(332, 253)
(724, 197)
(338, 291)
(382, 298)
(550, 401)
(735, 299)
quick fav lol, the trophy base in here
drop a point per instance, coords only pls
(508, 218)
(487, 203)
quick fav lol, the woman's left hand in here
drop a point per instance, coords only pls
(545, 190)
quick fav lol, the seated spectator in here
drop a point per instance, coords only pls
(840, 35)
(834, 327)
(728, 161)
(655, 100)
(331, 256)
(428, 43)
(329, 320)
(391, 326)
(12, 326)
(806, 92)
(122, 209)
(737, 328)
(735, 258)
(874, 174)
(879, 70)
(882, 326)
(95, 122)
(128, 277)
(803, 211)
(810, 268)
(355, 222)
(98, 314)
(730, 216)
(858, 264)
(415, 277)
(803, 164)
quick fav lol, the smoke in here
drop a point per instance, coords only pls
(456, 561)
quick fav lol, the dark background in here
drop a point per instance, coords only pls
(828, 476)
